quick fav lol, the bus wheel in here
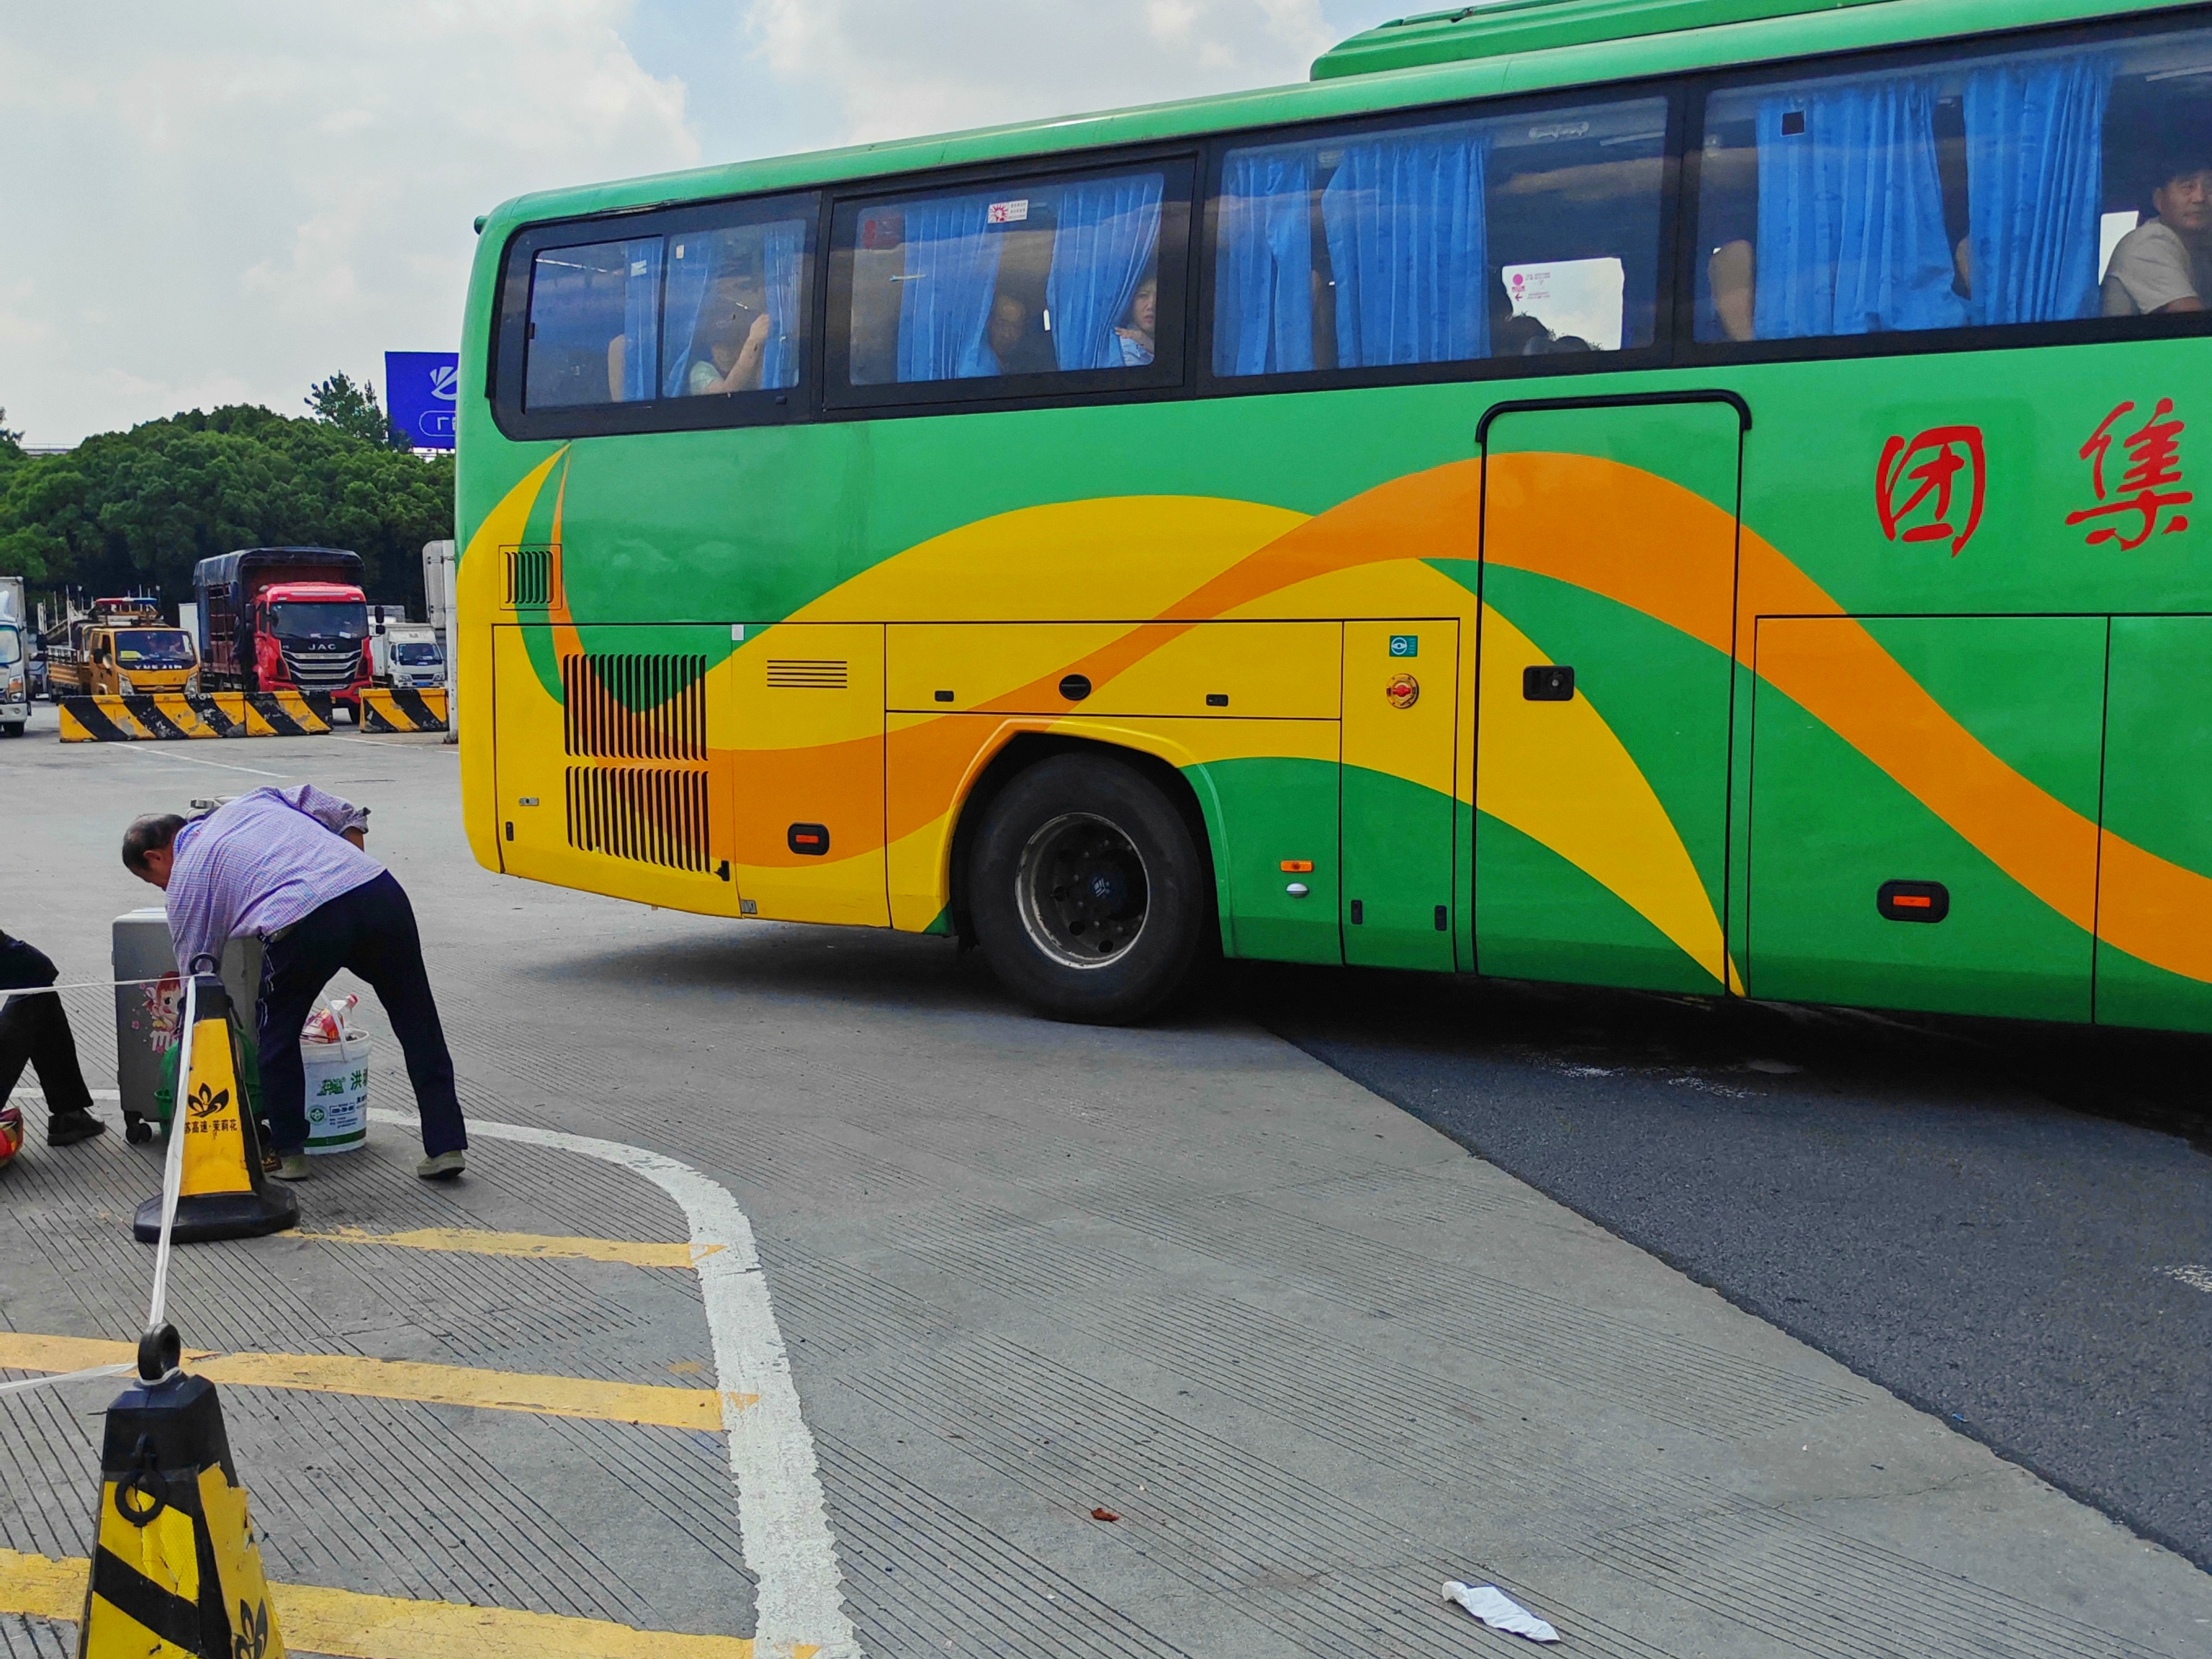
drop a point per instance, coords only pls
(1087, 891)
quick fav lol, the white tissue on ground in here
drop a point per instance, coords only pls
(1499, 1611)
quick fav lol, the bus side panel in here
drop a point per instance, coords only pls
(1831, 830)
(604, 779)
(1401, 747)
(807, 773)
(1216, 669)
(2158, 801)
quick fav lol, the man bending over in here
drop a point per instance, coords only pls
(289, 865)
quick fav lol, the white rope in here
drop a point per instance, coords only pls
(28, 1383)
(81, 985)
(172, 1172)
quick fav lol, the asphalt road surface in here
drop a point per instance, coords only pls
(2008, 1226)
(802, 1288)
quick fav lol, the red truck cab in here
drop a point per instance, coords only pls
(313, 636)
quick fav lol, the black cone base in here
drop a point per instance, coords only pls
(203, 1217)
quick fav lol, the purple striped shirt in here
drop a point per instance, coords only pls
(260, 863)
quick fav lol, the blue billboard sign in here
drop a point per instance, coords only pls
(421, 390)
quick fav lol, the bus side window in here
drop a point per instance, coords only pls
(1995, 190)
(1448, 242)
(736, 310)
(594, 324)
(1024, 278)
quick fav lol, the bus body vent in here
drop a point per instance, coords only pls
(650, 814)
(807, 673)
(628, 705)
(531, 575)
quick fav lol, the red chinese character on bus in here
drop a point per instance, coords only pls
(2153, 463)
(1943, 452)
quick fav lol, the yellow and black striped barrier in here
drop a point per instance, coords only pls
(395, 709)
(166, 715)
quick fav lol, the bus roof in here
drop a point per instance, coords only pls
(1502, 47)
(1498, 27)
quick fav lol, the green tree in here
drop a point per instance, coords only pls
(353, 408)
(135, 510)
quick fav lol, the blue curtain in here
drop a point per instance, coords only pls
(1263, 290)
(2035, 184)
(641, 317)
(1404, 217)
(1107, 231)
(783, 258)
(691, 278)
(1851, 213)
(944, 304)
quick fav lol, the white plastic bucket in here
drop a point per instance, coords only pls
(338, 1095)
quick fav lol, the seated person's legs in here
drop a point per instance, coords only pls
(34, 1029)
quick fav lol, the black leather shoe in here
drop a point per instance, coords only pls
(67, 1129)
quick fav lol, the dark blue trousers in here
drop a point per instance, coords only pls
(372, 932)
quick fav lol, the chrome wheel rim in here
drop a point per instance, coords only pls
(1083, 892)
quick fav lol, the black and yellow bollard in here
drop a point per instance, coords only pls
(224, 1194)
(177, 1569)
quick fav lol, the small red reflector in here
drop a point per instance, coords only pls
(1297, 866)
(1913, 902)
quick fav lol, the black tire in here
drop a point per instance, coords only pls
(1082, 854)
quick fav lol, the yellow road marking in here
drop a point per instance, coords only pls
(403, 1379)
(535, 1246)
(356, 1627)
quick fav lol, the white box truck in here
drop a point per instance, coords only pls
(14, 658)
(407, 655)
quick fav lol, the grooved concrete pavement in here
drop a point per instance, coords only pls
(1315, 1356)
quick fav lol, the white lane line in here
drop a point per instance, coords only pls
(2194, 1274)
(781, 1525)
(168, 756)
(394, 742)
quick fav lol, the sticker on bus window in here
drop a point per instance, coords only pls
(2111, 227)
(1574, 299)
(1008, 213)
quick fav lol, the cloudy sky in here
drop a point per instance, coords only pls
(223, 202)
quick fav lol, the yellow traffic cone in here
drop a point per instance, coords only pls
(177, 1571)
(224, 1194)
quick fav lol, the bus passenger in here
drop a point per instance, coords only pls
(732, 339)
(2164, 265)
(1016, 340)
(1732, 271)
(1135, 338)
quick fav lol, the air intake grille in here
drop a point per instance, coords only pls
(635, 708)
(530, 575)
(806, 672)
(651, 814)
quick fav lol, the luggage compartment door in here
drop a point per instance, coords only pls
(2153, 948)
(1931, 844)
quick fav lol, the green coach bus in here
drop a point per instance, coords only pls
(1694, 495)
